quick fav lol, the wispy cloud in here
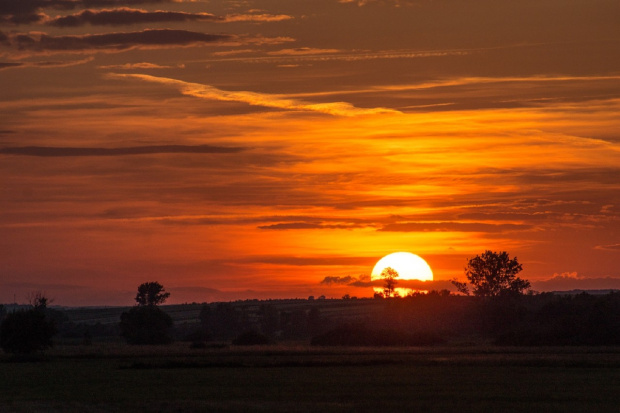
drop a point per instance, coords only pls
(453, 226)
(126, 16)
(573, 281)
(30, 11)
(44, 64)
(308, 225)
(325, 55)
(256, 18)
(302, 51)
(608, 247)
(46, 151)
(120, 41)
(141, 65)
(256, 99)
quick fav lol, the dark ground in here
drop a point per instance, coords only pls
(120, 378)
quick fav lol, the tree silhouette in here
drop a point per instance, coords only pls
(151, 293)
(492, 274)
(146, 323)
(389, 276)
(28, 331)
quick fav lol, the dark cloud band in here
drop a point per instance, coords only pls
(44, 151)
(115, 41)
(117, 17)
(29, 11)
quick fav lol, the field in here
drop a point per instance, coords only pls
(115, 377)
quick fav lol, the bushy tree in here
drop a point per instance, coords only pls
(492, 274)
(389, 276)
(146, 323)
(151, 293)
(27, 331)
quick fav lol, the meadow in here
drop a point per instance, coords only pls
(115, 377)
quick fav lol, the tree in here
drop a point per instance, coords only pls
(146, 323)
(27, 331)
(492, 274)
(389, 276)
(151, 293)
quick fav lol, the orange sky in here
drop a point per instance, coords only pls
(272, 149)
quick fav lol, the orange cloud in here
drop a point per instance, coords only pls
(257, 99)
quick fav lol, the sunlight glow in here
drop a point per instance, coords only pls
(409, 267)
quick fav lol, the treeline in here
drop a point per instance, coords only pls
(419, 320)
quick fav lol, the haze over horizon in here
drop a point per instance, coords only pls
(270, 149)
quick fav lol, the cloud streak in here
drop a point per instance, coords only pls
(120, 41)
(141, 66)
(453, 226)
(256, 99)
(45, 151)
(308, 225)
(44, 64)
(126, 16)
(29, 11)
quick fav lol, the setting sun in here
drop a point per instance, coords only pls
(409, 267)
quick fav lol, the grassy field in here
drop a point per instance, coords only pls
(119, 378)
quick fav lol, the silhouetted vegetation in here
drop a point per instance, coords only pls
(420, 319)
(389, 276)
(491, 274)
(252, 338)
(151, 293)
(28, 331)
(359, 335)
(548, 320)
(146, 323)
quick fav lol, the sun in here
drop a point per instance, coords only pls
(409, 267)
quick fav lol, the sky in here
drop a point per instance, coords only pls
(278, 149)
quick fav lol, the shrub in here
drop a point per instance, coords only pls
(146, 325)
(26, 331)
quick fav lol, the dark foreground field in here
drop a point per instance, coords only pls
(119, 378)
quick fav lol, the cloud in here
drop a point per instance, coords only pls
(142, 65)
(325, 55)
(9, 65)
(29, 11)
(314, 261)
(256, 18)
(572, 281)
(396, 3)
(338, 280)
(45, 64)
(119, 41)
(452, 226)
(364, 281)
(125, 16)
(609, 247)
(308, 225)
(302, 51)
(256, 99)
(45, 151)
